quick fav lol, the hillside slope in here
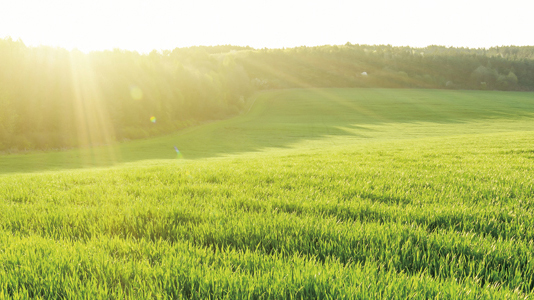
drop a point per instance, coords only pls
(330, 194)
(309, 119)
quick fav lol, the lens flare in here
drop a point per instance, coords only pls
(179, 154)
(136, 93)
(153, 119)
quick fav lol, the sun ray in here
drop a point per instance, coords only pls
(93, 125)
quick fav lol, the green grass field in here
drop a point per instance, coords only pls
(311, 194)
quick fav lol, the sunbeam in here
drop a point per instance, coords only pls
(93, 123)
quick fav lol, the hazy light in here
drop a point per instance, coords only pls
(136, 93)
(166, 24)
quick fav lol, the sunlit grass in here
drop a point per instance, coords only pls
(295, 120)
(364, 194)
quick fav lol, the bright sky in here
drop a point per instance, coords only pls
(165, 24)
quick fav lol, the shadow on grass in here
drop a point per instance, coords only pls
(279, 119)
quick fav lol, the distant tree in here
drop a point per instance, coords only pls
(484, 74)
(512, 78)
(502, 82)
(8, 118)
(507, 82)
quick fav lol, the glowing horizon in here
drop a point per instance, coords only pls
(164, 24)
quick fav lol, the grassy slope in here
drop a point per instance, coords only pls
(313, 193)
(311, 119)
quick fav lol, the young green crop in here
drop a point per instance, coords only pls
(380, 209)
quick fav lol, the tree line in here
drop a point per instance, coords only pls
(499, 68)
(54, 98)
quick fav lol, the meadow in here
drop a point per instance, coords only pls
(308, 194)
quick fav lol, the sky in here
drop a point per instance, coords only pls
(165, 24)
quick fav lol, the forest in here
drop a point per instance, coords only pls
(52, 98)
(502, 68)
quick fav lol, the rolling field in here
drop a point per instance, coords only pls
(309, 194)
